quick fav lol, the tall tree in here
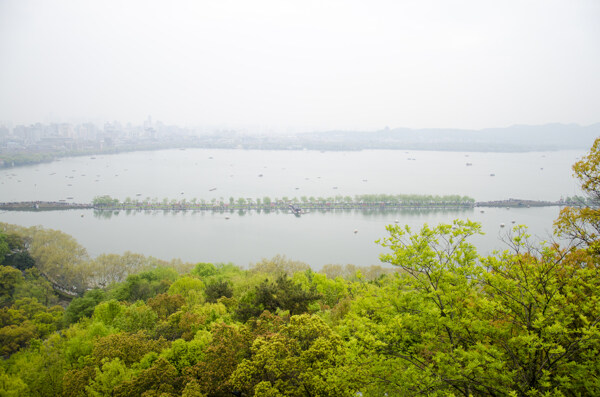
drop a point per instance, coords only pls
(523, 323)
(300, 360)
(582, 224)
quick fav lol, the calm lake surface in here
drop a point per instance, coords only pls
(316, 238)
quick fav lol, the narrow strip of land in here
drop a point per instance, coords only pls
(294, 205)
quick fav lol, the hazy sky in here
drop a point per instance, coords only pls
(302, 65)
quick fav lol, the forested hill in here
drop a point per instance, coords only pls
(515, 138)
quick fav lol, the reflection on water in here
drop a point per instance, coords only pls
(317, 238)
(372, 212)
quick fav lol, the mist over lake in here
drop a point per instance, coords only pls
(317, 238)
(207, 174)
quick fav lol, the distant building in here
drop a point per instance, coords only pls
(66, 130)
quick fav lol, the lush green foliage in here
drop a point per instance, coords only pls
(14, 251)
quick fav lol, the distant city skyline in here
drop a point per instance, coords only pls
(252, 129)
(280, 67)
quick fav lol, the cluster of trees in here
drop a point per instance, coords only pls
(24, 158)
(62, 261)
(160, 332)
(581, 201)
(440, 320)
(27, 157)
(266, 203)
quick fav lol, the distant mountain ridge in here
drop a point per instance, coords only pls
(514, 138)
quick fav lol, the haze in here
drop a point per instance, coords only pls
(301, 66)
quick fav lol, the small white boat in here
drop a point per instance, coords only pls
(502, 225)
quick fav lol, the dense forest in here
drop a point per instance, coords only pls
(436, 319)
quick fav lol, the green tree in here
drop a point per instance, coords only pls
(107, 269)
(12, 385)
(190, 288)
(144, 285)
(128, 347)
(582, 224)
(182, 354)
(523, 323)
(137, 317)
(545, 308)
(331, 291)
(204, 270)
(4, 248)
(107, 312)
(303, 359)
(83, 306)
(104, 201)
(14, 251)
(10, 279)
(159, 380)
(229, 344)
(76, 381)
(426, 331)
(60, 258)
(14, 337)
(279, 264)
(112, 373)
(218, 289)
(34, 285)
(41, 367)
(282, 294)
(164, 304)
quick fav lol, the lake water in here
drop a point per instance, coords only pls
(316, 238)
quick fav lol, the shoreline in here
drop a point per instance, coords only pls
(24, 158)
